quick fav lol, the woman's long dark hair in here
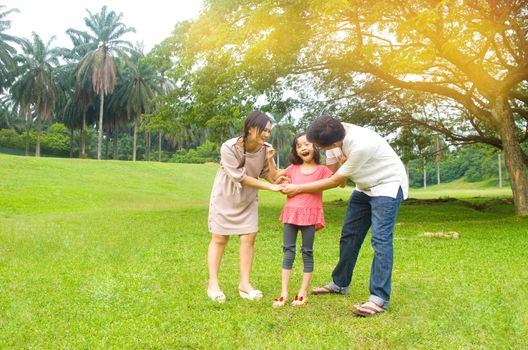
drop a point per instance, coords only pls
(294, 157)
(255, 119)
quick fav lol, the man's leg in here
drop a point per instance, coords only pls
(355, 227)
(384, 212)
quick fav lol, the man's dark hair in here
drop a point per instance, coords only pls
(325, 130)
(294, 158)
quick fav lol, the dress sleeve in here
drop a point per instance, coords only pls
(229, 163)
(325, 172)
(289, 172)
(265, 169)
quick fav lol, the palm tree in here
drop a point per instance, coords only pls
(7, 52)
(282, 135)
(107, 29)
(141, 83)
(36, 86)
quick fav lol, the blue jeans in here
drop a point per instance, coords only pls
(364, 212)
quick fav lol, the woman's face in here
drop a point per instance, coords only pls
(260, 137)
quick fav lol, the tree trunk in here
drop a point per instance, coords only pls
(424, 173)
(512, 155)
(115, 153)
(82, 139)
(147, 141)
(159, 146)
(135, 140)
(100, 136)
(28, 125)
(107, 143)
(500, 169)
(39, 129)
(437, 160)
(71, 143)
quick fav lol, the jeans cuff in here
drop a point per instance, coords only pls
(378, 301)
(337, 289)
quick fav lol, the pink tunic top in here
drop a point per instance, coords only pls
(306, 208)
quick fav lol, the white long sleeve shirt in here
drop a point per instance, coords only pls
(371, 163)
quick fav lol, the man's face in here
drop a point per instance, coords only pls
(332, 146)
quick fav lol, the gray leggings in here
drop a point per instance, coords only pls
(290, 238)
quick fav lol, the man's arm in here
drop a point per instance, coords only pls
(316, 186)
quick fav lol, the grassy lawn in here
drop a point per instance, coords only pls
(113, 255)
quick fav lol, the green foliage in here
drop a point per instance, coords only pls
(207, 152)
(9, 138)
(472, 162)
(54, 141)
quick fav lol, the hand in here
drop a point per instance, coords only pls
(282, 180)
(270, 152)
(291, 190)
(341, 159)
(276, 188)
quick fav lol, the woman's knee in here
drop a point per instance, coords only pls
(219, 240)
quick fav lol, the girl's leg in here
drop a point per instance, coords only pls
(308, 236)
(247, 243)
(288, 248)
(214, 257)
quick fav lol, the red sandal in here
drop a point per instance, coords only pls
(279, 302)
(299, 300)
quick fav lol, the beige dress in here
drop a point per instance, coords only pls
(233, 208)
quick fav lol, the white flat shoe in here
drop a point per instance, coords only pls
(255, 294)
(217, 296)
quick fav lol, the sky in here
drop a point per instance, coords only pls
(152, 19)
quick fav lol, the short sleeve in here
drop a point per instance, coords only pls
(324, 172)
(265, 169)
(331, 156)
(230, 162)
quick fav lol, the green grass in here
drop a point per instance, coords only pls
(113, 255)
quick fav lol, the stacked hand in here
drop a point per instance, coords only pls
(290, 190)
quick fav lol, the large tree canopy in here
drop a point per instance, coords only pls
(457, 67)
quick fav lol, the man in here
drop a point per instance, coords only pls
(381, 185)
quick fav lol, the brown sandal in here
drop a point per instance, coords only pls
(325, 290)
(371, 313)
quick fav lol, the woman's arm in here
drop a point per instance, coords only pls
(261, 185)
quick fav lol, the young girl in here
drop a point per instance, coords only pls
(303, 212)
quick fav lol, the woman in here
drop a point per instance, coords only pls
(233, 208)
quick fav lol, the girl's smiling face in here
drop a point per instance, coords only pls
(304, 149)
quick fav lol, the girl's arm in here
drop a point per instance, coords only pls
(261, 185)
(274, 174)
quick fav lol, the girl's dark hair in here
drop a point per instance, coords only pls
(255, 119)
(325, 130)
(294, 157)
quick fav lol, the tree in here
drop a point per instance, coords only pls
(467, 58)
(135, 95)
(7, 52)
(36, 87)
(98, 64)
(81, 98)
